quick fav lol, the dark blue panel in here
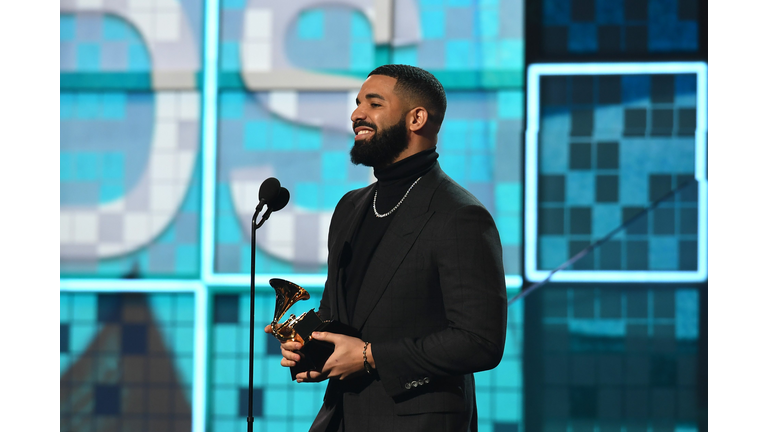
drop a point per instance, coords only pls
(134, 339)
(582, 121)
(551, 188)
(636, 39)
(610, 259)
(109, 307)
(688, 255)
(580, 220)
(609, 39)
(583, 402)
(582, 90)
(587, 262)
(635, 10)
(609, 89)
(638, 226)
(686, 121)
(505, 427)
(64, 338)
(226, 308)
(658, 186)
(689, 220)
(580, 157)
(273, 346)
(663, 88)
(106, 399)
(258, 402)
(552, 221)
(607, 188)
(664, 221)
(635, 87)
(663, 371)
(637, 255)
(662, 121)
(554, 90)
(582, 10)
(607, 155)
(635, 121)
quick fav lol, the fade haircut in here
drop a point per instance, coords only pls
(417, 86)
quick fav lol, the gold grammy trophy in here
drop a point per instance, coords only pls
(299, 329)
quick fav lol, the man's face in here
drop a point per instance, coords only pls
(378, 123)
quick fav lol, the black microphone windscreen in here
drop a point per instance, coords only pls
(269, 189)
(280, 201)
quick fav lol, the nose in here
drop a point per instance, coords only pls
(358, 114)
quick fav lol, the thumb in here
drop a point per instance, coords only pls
(268, 329)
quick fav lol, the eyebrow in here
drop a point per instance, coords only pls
(370, 96)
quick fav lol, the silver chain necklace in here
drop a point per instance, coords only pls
(376, 193)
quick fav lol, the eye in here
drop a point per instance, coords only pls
(375, 105)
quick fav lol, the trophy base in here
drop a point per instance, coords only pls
(316, 352)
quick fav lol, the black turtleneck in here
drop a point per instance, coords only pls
(393, 183)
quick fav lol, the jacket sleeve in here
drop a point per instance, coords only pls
(468, 259)
(325, 307)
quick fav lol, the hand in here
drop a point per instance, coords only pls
(289, 350)
(347, 358)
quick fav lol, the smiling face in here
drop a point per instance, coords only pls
(379, 123)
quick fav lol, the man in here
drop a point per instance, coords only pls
(415, 265)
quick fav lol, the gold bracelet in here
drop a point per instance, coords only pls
(367, 365)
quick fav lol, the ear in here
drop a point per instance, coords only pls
(416, 119)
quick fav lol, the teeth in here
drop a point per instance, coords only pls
(363, 132)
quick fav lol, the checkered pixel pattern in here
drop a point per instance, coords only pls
(608, 27)
(101, 43)
(279, 403)
(130, 184)
(126, 361)
(462, 35)
(328, 37)
(479, 146)
(609, 146)
(499, 391)
(619, 358)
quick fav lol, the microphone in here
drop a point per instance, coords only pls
(278, 203)
(268, 191)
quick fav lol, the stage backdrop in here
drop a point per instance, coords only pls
(174, 111)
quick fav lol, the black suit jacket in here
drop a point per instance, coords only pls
(432, 305)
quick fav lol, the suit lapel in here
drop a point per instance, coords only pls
(348, 225)
(408, 222)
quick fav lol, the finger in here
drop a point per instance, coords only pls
(290, 346)
(325, 336)
(287, 363)
(290, 355)
(268, 329)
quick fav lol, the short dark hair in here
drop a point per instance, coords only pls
(419, 86)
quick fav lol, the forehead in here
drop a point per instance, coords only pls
(378, 84)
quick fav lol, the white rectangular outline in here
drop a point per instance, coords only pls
(535, 72)
(200, 347)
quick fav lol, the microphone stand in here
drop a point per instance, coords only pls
(254, 227)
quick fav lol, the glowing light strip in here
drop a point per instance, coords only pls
(531, 170)
(200, 356)
(210, 101)
(129, 285)
(208, 145)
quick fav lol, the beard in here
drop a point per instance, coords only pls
(382, 148)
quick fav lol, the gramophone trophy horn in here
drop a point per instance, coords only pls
(299, 329)
(286, 294)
